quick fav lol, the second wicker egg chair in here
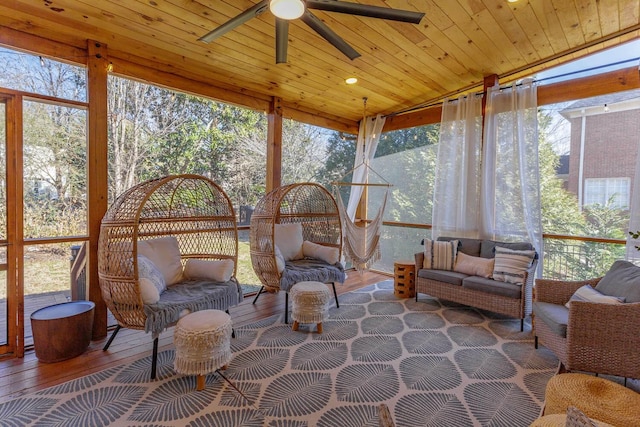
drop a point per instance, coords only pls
(315, 208)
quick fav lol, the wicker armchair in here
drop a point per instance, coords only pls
(310, 205)
(195, 211)
(599, 338)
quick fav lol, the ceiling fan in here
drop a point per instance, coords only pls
(286, 10)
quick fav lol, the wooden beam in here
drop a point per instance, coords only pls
(274, 145)
(41, 46)
(587, 87)
(426, 116)
(341, 125)
(97, 173)
(568, 90)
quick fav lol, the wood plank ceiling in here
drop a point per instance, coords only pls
(455, 46)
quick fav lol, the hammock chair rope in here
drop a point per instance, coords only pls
(362, 243)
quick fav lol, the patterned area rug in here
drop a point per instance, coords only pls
(432, 363)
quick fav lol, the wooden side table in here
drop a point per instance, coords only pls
(404, 279)
(62, 331)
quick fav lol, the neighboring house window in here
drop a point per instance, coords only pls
(603, 191)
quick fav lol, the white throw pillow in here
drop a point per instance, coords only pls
(165, 254)
(280, 264)
(474, 265)
(440, 255)
(587, 293)
(288, 238)
(511, 265)
(327, 254)
(216, 270)
(150, 280)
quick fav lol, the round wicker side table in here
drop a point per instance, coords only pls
(203, 343)
(309, 303)
(404, 279)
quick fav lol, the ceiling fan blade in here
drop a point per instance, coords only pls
(252, 12)
(282, 40)
(329, 35)
(366, 10)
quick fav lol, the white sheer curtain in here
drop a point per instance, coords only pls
(457, 179)
(633, 254)
(368, 138)
(510, 202)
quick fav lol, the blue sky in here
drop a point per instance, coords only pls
(629, 50)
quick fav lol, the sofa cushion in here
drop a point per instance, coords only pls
(622, 280)
(451, 277)
(511, 265)
(440, 255)
(587, 293)
(474, 265)
(509, 290)
(555, 316)
(487, 247)
(465, 245)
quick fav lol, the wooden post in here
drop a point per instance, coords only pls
(97, 64)
(274, 144)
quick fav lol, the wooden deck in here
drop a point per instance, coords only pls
(26, 375)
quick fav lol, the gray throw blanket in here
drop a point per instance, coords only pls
(192, 295)
(310, 269)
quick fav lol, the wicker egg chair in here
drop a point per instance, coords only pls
(200, 216)
(316, 210)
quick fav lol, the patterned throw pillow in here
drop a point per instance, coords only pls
(587, 293)
(440, 255)
(511, 265)
(577, 418)
(150, 279)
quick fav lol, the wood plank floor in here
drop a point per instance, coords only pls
(20, 376)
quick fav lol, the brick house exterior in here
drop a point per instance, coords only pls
(605, 140)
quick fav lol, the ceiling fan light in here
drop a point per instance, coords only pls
(287, 9)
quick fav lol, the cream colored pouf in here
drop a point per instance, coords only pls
(203, 343)
(309, 303)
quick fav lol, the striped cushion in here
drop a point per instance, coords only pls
(511, 265)
(587, 293)
(440, 255)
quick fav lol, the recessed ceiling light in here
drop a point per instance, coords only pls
(351, 80)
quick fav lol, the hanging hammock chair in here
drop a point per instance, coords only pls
(361, 243)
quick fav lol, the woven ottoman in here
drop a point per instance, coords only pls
(599, 398)
(309, 303)
(203, 343)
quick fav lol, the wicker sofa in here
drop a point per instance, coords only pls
(510, 299)
(592, 336)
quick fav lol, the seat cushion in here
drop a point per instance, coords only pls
(555, 316)
(190, 295)
(510, 290)
(451, 277)
(622, 280)
(310, 270)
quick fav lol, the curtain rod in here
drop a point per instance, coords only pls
(570, 73)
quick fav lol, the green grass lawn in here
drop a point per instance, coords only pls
(49, 272)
